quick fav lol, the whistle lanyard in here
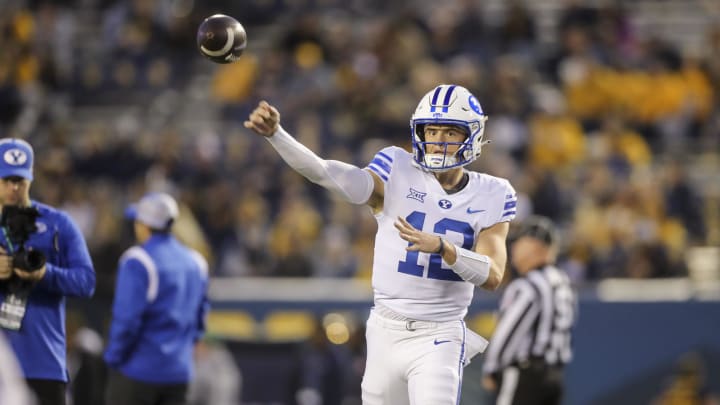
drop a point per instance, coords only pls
(9, 242)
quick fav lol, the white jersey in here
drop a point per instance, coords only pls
(420, 285)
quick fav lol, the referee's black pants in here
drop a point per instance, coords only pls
(534, 383)
(122, 390)
(47, 392)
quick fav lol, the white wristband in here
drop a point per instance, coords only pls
(470, 266)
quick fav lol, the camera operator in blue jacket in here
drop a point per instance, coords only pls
(43, 259)
(159, 310)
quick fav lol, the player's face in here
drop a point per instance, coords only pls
(14, 190)
(451, 134)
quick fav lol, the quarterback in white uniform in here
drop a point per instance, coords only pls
(441, 232)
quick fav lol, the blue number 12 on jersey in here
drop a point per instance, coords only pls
(435, 271)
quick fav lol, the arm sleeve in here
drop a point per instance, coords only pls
(131, 299)
(75, 275)
(349, 182)
(471, 266)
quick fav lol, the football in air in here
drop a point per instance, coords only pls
(221, 38)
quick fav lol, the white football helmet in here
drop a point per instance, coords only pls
(448, 104)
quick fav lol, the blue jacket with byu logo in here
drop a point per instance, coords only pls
(40, 344)
(159, 311)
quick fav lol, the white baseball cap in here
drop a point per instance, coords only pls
(156, 210)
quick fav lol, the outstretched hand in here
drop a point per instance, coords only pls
(419, 240)
(265, 119)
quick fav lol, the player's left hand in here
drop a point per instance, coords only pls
(36, 275)
(419, 240)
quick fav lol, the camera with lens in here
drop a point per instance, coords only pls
(18, 223)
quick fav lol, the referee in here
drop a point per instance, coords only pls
(531, 343)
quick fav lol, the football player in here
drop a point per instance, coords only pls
(441, 232)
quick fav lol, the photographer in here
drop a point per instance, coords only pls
(43, 259)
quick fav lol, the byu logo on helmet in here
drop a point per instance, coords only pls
(15, 157)
(448, 105)
(475, 104)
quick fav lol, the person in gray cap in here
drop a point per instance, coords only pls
(159, 310)
(532, 339)
(43, 259)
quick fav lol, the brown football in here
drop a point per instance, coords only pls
(221, 38)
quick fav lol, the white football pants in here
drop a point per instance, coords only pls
(414, 362)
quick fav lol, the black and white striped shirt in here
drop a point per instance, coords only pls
(536, 316)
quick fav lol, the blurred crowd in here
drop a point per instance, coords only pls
(600, 128)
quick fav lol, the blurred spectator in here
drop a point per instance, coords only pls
(684, 203)
(621, 148)
(688, 384)
(518, 32)
(556, 139)
(294, 233)
(546, 196)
